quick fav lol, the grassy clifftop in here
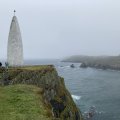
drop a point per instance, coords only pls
(55, 102)
(22, 102)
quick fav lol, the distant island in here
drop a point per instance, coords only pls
(99, 62)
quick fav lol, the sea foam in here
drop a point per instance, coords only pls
(75, 97)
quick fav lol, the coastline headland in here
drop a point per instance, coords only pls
(55, 97)
(99, 62)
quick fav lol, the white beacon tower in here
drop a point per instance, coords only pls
(15, 46)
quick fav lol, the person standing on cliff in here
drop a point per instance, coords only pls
(6, 65)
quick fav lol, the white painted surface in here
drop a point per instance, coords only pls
(15, 47)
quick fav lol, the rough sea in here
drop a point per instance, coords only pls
(90, 87)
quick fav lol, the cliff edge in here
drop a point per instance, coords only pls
(56, 99)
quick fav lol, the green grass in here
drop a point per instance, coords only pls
(35, 67)
(22, 102)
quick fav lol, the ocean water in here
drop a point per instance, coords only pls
(98, 88)
(90, 87)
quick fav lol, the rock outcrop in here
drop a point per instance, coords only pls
(100, 66)
(99, 62)
(55, 95)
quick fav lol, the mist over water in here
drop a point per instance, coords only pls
(91, 87)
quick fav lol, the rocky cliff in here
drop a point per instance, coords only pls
(55, 96)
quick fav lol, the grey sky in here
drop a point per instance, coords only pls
(59, 28)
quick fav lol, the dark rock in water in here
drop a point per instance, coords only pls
(72, 66)
(83, 65)
(99, 66)
(61, 66)
(94, 65)
(90, 113)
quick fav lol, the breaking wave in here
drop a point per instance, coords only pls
(75, 97)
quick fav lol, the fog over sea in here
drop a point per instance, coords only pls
(90, 87)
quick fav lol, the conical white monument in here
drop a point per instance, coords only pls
(15, 47)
